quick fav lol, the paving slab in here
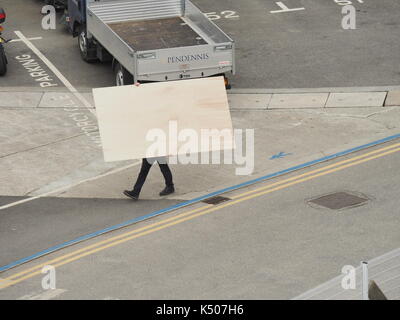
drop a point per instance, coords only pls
(298, 100)
(356, 99)
(393, 98)
(23, 172)
(25, 129)
(64, 99)
(249, 101)
(20, 99)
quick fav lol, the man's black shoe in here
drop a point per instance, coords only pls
(167, 190)
(132, 195)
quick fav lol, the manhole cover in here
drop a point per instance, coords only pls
(216, 200)
(339, 200)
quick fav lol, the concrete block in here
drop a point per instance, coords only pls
(20, 99)
(298, 100)
(393, 98)
(356, 99)
(249, 101)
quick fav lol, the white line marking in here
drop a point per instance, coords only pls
(45, 295)
(18, 40)
(285, 8)
(59, 75)
(65, 188)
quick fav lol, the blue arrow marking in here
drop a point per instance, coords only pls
(280, 155)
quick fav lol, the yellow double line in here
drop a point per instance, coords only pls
(189, 215)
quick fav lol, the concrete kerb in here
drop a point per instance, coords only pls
(317, 90)
(339, 97)
(393, 98)
(32, 97)
(239, 99)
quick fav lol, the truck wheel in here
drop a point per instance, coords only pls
(88, 53)
(3, 62)
(122, 76)
(227, 84)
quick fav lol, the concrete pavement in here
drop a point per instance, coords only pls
(52, 143)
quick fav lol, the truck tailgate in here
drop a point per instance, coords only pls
(183, 63)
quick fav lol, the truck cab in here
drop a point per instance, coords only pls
(76, 15)
(58, 4)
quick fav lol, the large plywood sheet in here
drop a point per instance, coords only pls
(128, 114)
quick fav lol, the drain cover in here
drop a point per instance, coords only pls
(216, 200)
(339, 200)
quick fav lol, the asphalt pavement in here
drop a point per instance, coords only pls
(268, 241)
(39, 225)
(307, 48)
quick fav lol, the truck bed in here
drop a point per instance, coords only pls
(156, 34)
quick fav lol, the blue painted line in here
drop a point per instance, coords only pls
(187, 203)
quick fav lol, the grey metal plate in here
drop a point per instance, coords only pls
(216, 200)
(339, 200)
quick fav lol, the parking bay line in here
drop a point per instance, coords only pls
(190, 217)
(30, 39)
(58, 74)
(64, 188)
(284, 8)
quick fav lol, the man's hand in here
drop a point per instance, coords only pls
(137, 84)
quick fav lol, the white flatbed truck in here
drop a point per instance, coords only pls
(151, 40)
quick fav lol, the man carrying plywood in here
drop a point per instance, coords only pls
(142, 122)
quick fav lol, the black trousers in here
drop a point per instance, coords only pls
(144, 171)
